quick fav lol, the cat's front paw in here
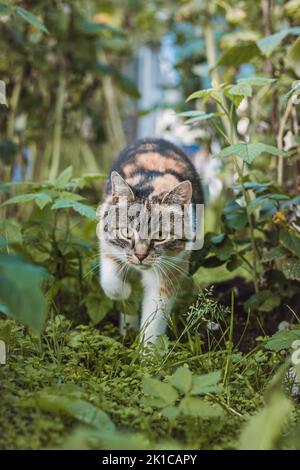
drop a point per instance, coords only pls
(117, 291)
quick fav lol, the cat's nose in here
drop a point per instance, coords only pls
(141, 256)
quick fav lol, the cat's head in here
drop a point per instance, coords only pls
(140, 230)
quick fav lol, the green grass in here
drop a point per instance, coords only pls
(53, 388)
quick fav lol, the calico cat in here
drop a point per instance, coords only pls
(158, 181)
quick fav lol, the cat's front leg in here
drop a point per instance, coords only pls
(157, 304)
(111, 280)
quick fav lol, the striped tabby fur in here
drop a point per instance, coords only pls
(151, 171)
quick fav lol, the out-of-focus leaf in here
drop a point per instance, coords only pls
(158, 389)
(3, 93)
(20, 291)
(30, 18)
(41, 199)
(192, 406)
(10, 231)
(291, 269)
(248, 152)
(290, 241)
(207, 383)
(82, 209)
(240, 54)
(263, 430)
(293, 57)
(72, 406)
(64, 177)
(98, 306)
(283, 339)
(269, 43)
(182, 379)
(265, 301)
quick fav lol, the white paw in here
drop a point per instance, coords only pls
(117, 290)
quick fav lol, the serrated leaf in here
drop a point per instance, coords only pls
(248, 152)
(207, 383)
(30, 18)
(182, 379)
(291, 241)
(158, 389)
(64, 177)
(269, 43)
(283, 339)
(41, 199)
(241, 88)
(82, 209)
(291, 269)
(191, 406)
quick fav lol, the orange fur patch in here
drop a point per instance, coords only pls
(163, 183)
(156, 162)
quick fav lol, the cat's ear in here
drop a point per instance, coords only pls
(181, 194)
(120, 189)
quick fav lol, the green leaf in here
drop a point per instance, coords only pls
(264, 429)
(182, 379)
(170, 412)
(5, 9)
(11, 232)
(265, 301)
(292, 57)
(26, 15)
(191, 406)
(158, 389)
(223, 250)
(235, 215)
(196, 116)
(64, 177)
(274, 253)
(256, 81)
(99, 28)
(82, 209)
(207, 383)
(98, 306)
(215, 93)
(72, 406)
(239, 54)
(248, 152)
(269, 43)
(290, 241)
(41, 199)
(283, 339)
(291, 269)
(241, 88)
(20, 291)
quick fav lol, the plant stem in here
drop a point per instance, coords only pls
(58, 118)
(282, 124)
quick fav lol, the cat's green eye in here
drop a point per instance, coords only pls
(126, 232)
